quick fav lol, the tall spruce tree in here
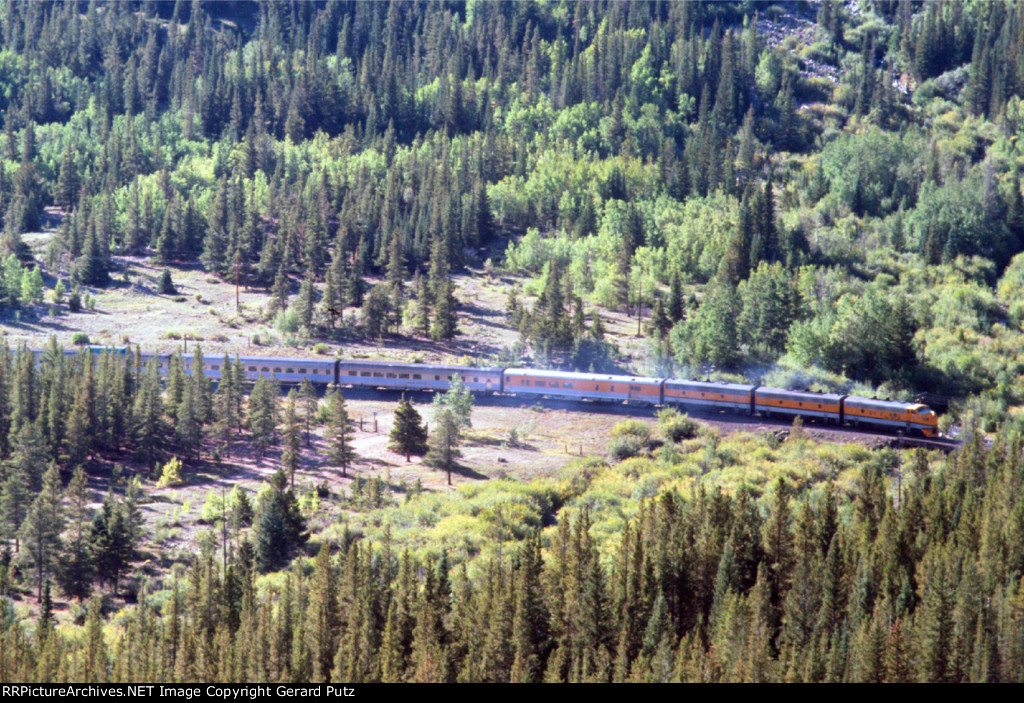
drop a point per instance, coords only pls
(339, 433)
(40, 531)
(408, 435)
(291, 457)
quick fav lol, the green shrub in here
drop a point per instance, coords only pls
(676, 426)
(633, 428)
(75, 301)
(321, 349)
(625, 447)
(80, 338)
(213, 508)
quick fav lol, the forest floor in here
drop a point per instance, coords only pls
(203, 309)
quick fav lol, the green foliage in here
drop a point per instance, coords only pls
(632, 428)
(710, 336)
(625, 446)
(280, 528)
(868, 172)
(444, 441)
(166, 285)
(676, 426)
(408, 434)
(75, 300)
(170, 474)
(213, 509)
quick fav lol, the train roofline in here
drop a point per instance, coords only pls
(545, 373)
(416, 365)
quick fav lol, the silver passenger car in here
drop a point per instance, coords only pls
(416, 377)
(583, 386)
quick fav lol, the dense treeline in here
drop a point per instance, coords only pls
(673, 157)
(918, 579)
(636, 143)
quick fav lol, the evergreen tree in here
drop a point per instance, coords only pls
(166, 285)
(675, 299)
(304, 303)
(94, 265)
(445, 323)
(111, 542)
(323, 615)
(188, 429)
(76, 570)
(290, 457)
(263, 413)
(148, 414)
(339, 433)
(444, 441)
(280, 528)
(40, 532)
(310, 403)
(15, 498)
(408, 434)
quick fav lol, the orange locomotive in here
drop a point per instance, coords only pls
(832, 408)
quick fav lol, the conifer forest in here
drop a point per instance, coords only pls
(812, 195)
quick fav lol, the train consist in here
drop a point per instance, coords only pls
(829, 408)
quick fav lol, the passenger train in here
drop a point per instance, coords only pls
(765, 401)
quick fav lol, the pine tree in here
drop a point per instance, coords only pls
(94, 265)
(46, 620)
(148, 414)
(263, 413)
(290, 457)
(76, 569)
(111, 542)
(444, 441)
(304, 303)
(41, 529)
(188, 429)
(280, 528)
(271, 537)
(408, 434)
(778, 547)
(530, 622)
(339, 433)
(201, 387)
(223, 407)
(445, 323)
(29, 454)
(15, 499)
(166, 285)
(322, 617)
(279, 292)
(66, 194)
(310, 404)
(1015, 214)
(675, 299)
